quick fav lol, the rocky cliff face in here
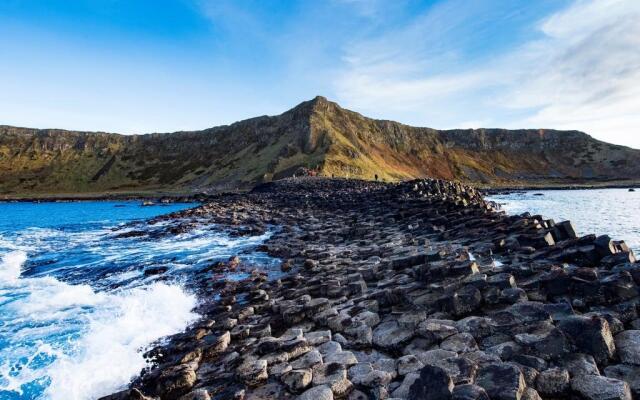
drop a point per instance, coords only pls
(316, 134)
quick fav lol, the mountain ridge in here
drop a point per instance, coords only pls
(317, 134)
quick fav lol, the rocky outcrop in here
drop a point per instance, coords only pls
(419, 290)
(317, 137)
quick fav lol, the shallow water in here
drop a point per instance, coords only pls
(615, 212)
(76, 309)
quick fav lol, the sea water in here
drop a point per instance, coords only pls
(615, 212)
(77, 311)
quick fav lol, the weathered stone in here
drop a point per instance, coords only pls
(580, 364)
(408, 364)
(460, 343)
(593, 387)
(297, 380)
(553, 382)
(436, 330)
(479, 327)
(551, 344)
(402, 392)
(308, 360)
(322, 392)
(176, 381)
(317, 338)
(368, 318)
(530, 394)
(502, 381)
(253, 372)
(433, 383)
(502, 281)
(334, 376)
(277, 370)
(345, 358)
(363, 374)
(128, 394)
(627, 373)
(590, 335)
(469, 392)
(628, 346)
(505, 350)
(329, 347)
(411, 320)
(391, 336)
(216, 344)
(198, 394)
(463, 301)
(460, 369)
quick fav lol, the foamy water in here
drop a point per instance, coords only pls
(76, 310)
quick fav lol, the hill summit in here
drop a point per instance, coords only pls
(318, 136)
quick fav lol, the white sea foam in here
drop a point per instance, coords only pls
(109, 355)
(107, 333)
(11, 265)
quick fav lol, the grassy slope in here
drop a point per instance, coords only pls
(316, 133)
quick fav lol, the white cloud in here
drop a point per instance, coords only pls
(582, 72)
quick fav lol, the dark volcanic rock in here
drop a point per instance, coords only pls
(434, 383)
(383, 300)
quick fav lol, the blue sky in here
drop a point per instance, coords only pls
(154, 66)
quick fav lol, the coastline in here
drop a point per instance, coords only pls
(187, 196)
(392, 289)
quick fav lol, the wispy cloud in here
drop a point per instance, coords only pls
(580, 69)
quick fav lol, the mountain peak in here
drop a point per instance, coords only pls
(316, 135)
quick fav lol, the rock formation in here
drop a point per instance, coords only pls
(418, 290)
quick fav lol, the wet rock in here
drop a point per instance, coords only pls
(628, 346)
(469, 392)
(501, 381)
(590, 335)
(592, 387)
(297, 380)
(433, 383)
(553, 382)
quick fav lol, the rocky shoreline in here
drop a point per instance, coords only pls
(417, 290)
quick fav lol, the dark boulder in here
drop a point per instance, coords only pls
(434, 383)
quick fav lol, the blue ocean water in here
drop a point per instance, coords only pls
(601, 211)
(77, 310)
